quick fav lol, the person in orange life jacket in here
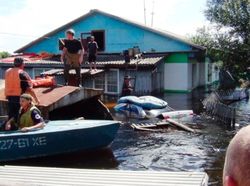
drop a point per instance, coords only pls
(72, 56)
(17, 82)
(29, 116)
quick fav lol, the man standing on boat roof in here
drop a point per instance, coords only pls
(72, 56)
(92, 52)
(17, 82)
(29, 117)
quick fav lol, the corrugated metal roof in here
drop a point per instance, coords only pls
(55, 97)
(139, 62)
(150, 61)
(11, 175)
(83, 72)
(92, 12)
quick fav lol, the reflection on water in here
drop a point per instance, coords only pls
(167, 150)
(101, 159)
(179, 150)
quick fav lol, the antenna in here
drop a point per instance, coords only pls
(152, 14)
(145, 18)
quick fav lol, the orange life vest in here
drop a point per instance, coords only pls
(13, 82)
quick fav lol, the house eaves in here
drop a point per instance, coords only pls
(95, 11)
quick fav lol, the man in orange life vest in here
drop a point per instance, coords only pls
(17, 82)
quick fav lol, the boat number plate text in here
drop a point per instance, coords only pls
(23, 142)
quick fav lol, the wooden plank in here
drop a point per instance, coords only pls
(180, 125)
(163, 123)
(136, 127)
(19, 175)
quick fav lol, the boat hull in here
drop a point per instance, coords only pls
(57, 138)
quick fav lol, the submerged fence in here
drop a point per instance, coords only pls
(218, 110)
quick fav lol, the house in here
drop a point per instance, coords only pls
(169, 63)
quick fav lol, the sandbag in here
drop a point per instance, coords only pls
(130, 109)
(146, 102)
(151, 102)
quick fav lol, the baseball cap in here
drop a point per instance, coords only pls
(71, 31)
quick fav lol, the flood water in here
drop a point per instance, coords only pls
(166, 150)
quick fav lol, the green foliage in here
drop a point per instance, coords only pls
(4, 54)
(232, 14)
(214, 42)
(228, 40)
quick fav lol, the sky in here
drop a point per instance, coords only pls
(22, 21)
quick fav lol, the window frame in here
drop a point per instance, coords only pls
(117, 84)
(104, 39)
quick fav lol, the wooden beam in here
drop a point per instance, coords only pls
(180, 125)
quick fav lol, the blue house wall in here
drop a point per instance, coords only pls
(119, 36)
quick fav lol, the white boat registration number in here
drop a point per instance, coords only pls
(23, 142)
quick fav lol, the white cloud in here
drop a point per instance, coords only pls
(38, 17)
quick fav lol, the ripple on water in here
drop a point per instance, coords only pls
(177, 150)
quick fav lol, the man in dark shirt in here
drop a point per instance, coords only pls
(92, 52)
(72, 56)
(17, 82)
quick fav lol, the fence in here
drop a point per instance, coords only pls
(221, 112)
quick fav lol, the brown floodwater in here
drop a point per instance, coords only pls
(168, 150)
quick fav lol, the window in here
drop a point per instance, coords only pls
(100, 82)
(112, 78)
(38, 71)
(88, 83)
(99, 38)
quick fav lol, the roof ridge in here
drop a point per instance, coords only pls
(93, 11)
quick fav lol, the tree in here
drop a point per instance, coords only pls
(4, 54)
(215, 43)
(233, 15)
(232, 20)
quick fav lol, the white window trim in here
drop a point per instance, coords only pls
(42, 69)
(104, 83)
(118, 82)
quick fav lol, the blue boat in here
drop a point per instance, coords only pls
(57, 137)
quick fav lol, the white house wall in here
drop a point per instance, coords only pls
(176, 76)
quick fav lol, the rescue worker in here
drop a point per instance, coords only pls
(72, 56)
(17, 82)
(29, 116)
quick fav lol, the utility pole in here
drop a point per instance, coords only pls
(145, 18)
(152, 14)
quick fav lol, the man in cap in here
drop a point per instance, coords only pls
(72, 56)
(17, 82)
(237, 163)
(92, 52)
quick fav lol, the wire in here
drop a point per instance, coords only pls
(16, 35)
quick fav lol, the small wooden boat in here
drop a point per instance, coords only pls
(57, 137)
